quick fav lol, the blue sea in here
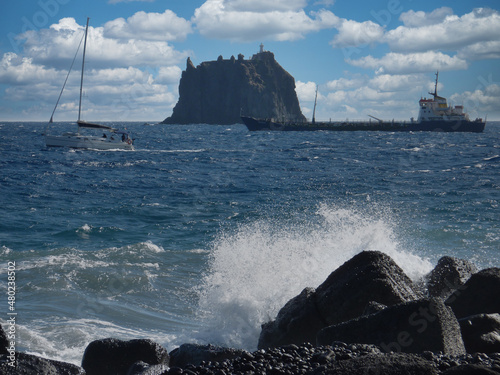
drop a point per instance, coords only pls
(204, 232)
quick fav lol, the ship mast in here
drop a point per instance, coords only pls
(314, 110)
(435, 93)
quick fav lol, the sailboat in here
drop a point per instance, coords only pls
(109, 138)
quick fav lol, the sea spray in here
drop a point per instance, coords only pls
(255, 269)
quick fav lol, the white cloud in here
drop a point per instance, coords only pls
(418, 19)
(16, 70)
(480, 102)
(398, 63)
(353, 33)
(125, 79)
(281, 21)
(56, 46)
(452, 33)
(166, 26)
(169, 75)
(344, 83)
(306, 91)
(481, 51)
(262, 6)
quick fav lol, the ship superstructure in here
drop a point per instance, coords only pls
(437, 108)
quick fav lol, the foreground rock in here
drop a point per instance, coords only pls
(219, 92)
(479, 295)
(481, 333)
(112, 356)
(27, 364)
(369, 277)
(449, 275)
(412, 327)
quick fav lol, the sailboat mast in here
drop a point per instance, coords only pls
(83, 68)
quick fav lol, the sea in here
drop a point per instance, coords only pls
(204, 232)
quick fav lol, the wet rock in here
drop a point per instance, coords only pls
(412, 327)
(449, 275)
(297, 322)
(368, 276)
(479, 295)
(113, 356)
(194, 354)
(481, 333)
(27, 364)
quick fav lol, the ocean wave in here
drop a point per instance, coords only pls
(256, 269)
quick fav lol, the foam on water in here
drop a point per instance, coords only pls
(256, 269)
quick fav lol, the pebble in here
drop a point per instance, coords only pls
(308, 360)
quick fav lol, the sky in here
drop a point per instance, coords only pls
(365, 57)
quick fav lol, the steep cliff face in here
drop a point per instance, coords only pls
(218, 92)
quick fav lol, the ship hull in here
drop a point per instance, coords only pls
(254, 124)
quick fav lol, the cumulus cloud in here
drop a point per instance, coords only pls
(17, 70)
(306, 91)
(353, 33)
(125, 78)
(418, 19)
(56, 46)
(262, 6)
(399, 63)
(452, 33)
(239, 20)
(166, 26)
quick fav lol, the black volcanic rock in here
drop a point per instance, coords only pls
(481, 333)
(219, 92)
(113, 356)
(27, 364)
(370, 278)
(411, 327)
(479, 295)
(449, 275)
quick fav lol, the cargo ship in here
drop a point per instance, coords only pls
(434, 115)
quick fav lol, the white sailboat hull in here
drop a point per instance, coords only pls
(86, 142)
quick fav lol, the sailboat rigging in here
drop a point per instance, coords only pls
(115, 140)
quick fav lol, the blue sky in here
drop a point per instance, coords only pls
(365, 57)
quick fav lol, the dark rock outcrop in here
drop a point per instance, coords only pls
(412, 327)
(449, 275)
(219, 92)
(4, 342)
(195, 354)
(27, 364)
(370, 276)
(481, 333)
(479, 295)
(113, 356)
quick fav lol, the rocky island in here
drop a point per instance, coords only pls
(219, 92)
